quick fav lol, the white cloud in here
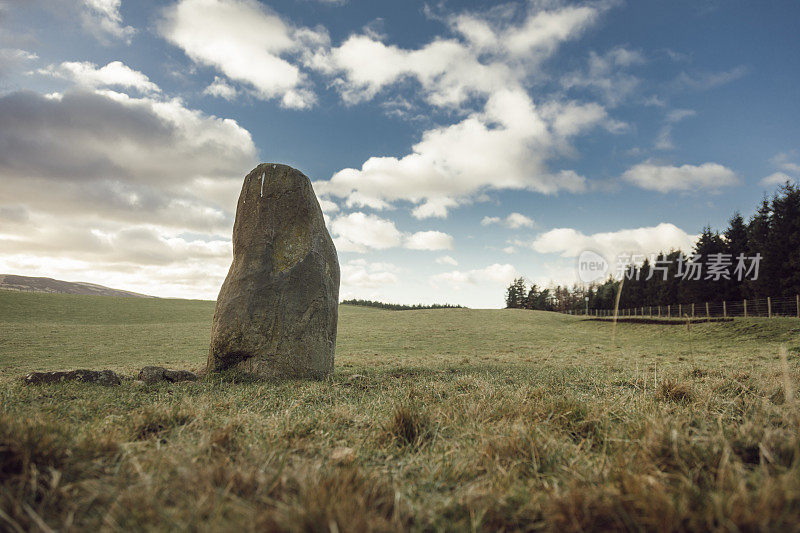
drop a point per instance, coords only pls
(607, 75)
(429, 240)
(569, 242)
(12, 59)
(708, 80)
(664, 138)
(676, 115)
(504, 147)
(509, 250)
(784, 161)
(221, 89)
(358, 232)
(446, 260)
(328, 206)
(666, 178)
(115, 74)
(776, 178)
(496, 274)
(448, 71)
(570, 119)
(359, 274)
(492, 53)
(189, 278)
(135, 193)
(517, 220)
(103, 19)
(123, 159)
(513, 221)
(433, 207)
(248, 43)
(107, 242)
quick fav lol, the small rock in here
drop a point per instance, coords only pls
(101, 377)
(151, 374)
(179, 375)
(342, 454)
(155, 374)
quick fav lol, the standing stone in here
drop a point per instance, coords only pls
(277, 310)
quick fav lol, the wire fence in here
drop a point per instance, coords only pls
(786, 306)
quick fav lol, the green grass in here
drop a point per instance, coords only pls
(434, 420)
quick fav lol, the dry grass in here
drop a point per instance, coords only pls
(674, 391)
(408, 426)
(535, 422)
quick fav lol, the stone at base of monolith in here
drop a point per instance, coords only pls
(277, 310)
(156, 374)
(100, 377)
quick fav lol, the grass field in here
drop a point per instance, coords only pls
(452, 419)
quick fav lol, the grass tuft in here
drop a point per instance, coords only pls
(674, 391)
(159, 421)
(408, 426)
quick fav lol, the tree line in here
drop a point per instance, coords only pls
(750, 259)
(398, 307)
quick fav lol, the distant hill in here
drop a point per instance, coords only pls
(12, 282)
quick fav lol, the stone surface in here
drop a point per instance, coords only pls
(277, 310)
(155, 374)
(101, 377)
(151, 374)
(173, 376)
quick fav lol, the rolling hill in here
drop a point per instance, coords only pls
(13, 282)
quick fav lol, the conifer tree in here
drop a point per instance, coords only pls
(735, 245)
(758, 233)
(783, 242)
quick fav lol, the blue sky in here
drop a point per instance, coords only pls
(453, 145)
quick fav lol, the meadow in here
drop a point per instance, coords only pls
(434, 420)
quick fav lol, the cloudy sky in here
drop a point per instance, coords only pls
(453, 145)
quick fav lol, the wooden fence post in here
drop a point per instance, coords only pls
(797, 304)
(680, 310)
(745, 308)
(769, 307)
(692, 310)
(707, 314)
(669, 311)
(659, 311)
(724, 309)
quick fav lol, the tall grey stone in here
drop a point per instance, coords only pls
(277, 310)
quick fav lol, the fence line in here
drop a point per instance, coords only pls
(786, 306)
